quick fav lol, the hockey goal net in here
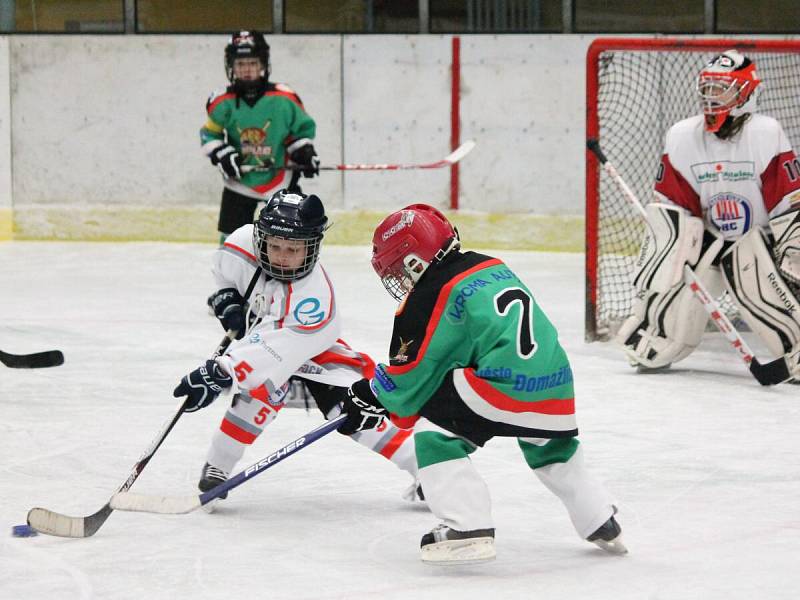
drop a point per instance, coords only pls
(636, 89)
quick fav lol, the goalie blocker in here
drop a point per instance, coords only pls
(668, 322)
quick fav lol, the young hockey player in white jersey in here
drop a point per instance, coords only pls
(291, 327)
(727, 203)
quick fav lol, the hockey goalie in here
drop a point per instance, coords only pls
(727, 202)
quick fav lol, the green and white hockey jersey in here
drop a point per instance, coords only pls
(261, 131)
(470, 343)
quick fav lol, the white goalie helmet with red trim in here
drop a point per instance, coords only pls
(726, 86)
(409, 241)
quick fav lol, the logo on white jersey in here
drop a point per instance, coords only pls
(308, 312)
(724, 170)
(731, 214)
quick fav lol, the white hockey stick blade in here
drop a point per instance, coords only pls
(163, 505)
(460, 152)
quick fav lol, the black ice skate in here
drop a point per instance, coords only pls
(609, 537)
(445, 546)
(210, 478)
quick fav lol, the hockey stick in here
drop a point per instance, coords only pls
(771, 373)
(53, 523)
(37, 360)
(178, 505)
(449, 160)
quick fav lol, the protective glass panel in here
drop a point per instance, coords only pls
(455, 16)
(62, 16)
(203, 16)
(351, 16)
(742, 16)
(635, 16)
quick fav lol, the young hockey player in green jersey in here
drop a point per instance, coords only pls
(473, 356)
(254, 123)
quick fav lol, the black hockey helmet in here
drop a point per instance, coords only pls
(290, 216)
(246, 44)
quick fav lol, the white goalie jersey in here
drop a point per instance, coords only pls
(735, 184)
(294, 329)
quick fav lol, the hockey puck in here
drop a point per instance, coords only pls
(23, 531)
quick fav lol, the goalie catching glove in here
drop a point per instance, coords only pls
(362, 408)
(202, 386)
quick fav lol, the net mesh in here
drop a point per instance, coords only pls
(640, 95)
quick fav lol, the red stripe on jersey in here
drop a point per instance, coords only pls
(210, 108)
(288, 301)
(330, 308)
(436, 315)
(240, 250)
(397, 440)
(775, 182)
(272, 183)
(555, 406)
(236, 432)
(675, 187)
(403, 422)
(293, 97)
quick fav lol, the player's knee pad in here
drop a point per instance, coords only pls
(766, 302)
(673, 239)
(667, 326)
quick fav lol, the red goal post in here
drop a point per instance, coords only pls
(636, 88)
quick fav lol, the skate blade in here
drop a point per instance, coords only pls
(459, 552)
(211, 506)
(615, 546)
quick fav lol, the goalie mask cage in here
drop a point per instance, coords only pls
(636, 89)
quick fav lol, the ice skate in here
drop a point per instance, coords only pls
(445, 546)
(609, 537)
(210, 478)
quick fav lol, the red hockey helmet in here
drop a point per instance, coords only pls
(409, 241)
(724, 86)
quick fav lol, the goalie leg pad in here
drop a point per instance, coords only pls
(786, 229)
(672, 239)
(765, 301)
(667, 326)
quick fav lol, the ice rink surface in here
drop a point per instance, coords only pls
(705, 463)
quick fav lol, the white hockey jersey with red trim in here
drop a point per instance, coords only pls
(296, 331)
(734, 184)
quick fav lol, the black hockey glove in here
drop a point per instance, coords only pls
(202, 386)
(227, 158)
(362, 408)
(306, 157)
(229, 307)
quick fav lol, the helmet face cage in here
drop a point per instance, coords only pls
(725, 85)
(246, 44)
(289, 217)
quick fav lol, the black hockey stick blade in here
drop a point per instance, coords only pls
(771, 373)
(37, 360)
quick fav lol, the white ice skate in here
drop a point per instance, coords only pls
(609, 537)
(445, 546)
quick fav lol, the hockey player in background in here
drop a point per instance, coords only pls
(291, 327)
(257, 123)
(475, 357)
(727, 203)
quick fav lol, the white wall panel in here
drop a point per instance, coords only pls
(396, 110)
(5, 130)
(115, 119)
(523, 101)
